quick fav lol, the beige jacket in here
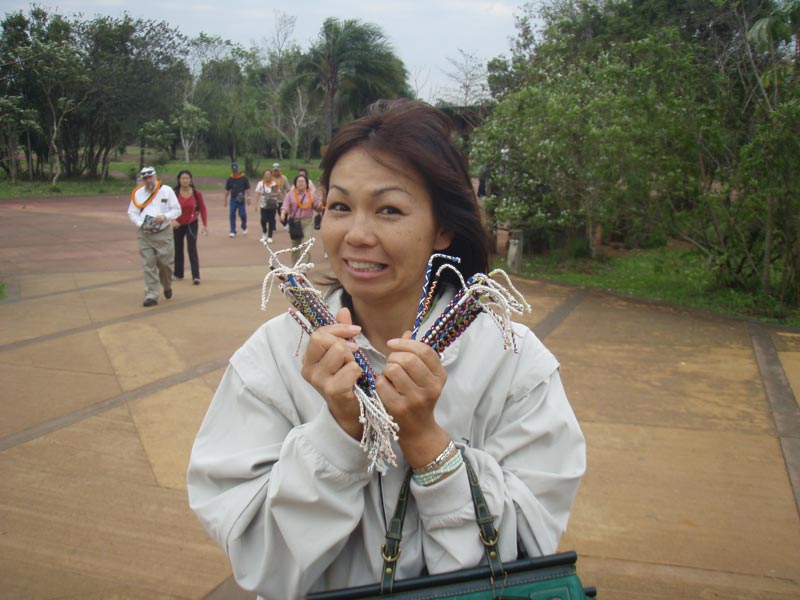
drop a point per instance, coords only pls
(286, 493)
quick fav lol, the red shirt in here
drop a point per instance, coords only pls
(189, 208)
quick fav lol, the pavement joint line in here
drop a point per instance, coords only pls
(162, 308)
(27, 435)
(782, 404)
(554, 319)
(17, 298)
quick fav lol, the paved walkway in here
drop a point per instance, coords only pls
(691, 420)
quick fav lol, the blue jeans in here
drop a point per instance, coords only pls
(241, 207)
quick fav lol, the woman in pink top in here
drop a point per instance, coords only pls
(299, 204)
(185, 226)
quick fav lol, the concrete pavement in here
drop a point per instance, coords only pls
(691, 419)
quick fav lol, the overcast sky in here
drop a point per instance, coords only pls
(423, 32)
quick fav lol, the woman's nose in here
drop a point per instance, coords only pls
(361, 231)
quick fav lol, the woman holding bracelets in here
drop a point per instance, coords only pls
(277, 475)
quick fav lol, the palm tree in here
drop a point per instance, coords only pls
(351, 64)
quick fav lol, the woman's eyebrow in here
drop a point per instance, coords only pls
(389, 188)
(375, 193)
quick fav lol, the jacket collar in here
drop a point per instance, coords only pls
(334, 302)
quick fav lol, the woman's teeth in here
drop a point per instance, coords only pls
(364, 266)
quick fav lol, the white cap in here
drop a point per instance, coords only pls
(147, 171)
(276, 165)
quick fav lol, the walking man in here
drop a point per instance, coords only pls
(237, 190)
(153, 206)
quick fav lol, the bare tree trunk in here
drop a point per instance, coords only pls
(55, 162)
(590, 237)
(187, 145)
(768, 235)
(29, 154)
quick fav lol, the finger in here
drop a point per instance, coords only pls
(326, 338)
(427, 355)
(344, 316)
(399, 379)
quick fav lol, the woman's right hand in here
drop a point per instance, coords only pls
(329, 366)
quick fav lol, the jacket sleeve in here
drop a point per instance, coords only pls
(529, 465)
(174, 209)
(281, 498)
(202, 204)
(135, 215)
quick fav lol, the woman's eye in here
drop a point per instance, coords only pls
(337, 206)
(390, 210)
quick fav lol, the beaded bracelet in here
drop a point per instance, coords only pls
(434, 476)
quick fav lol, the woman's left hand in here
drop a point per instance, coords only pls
(410, 386)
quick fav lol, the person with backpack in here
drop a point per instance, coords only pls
(186, 226)
(268, 192)
(237, 190)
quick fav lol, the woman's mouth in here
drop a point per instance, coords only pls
(364, 267)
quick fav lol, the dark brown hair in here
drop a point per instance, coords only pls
(298, 176)
(420, 135)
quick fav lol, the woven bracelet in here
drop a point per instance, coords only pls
(430, 477)
(437, 462)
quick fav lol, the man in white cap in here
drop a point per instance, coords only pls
(283, 181)
(152, 209)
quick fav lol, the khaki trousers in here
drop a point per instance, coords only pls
(158, 257)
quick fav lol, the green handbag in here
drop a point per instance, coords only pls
(550, 577)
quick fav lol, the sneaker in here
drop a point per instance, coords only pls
(196, 281)
(168, 293)
(232, 234)
(150, 302)
(176, 278)
(244, 231)
(269, 240)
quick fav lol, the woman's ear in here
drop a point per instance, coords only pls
(443, 239)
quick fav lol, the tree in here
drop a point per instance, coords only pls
(154, 134)
(289, 108)
(127, 58)
(14, 119)
(65, 86)
(190, 120)
(468, 74)
(46, 61)
(351, 64)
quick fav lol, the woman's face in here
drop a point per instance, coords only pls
(185, 180)
(379, 230)
(301, 184)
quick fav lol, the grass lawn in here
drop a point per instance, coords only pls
(677, 276)
(219, 167)
(124, 172)
(64, 187)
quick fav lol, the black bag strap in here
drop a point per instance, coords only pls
(390, 551)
